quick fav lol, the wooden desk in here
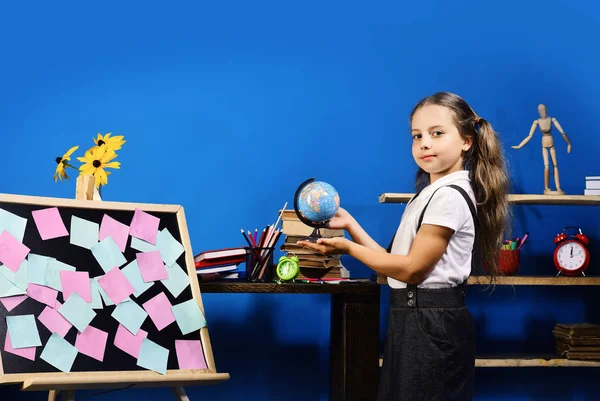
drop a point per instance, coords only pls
(354, 349)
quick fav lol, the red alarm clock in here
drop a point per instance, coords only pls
(571, 255)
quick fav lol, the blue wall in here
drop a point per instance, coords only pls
(226, 108)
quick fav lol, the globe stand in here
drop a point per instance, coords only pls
(314, 237)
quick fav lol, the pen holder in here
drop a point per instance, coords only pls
(509, 262)
(259, 264)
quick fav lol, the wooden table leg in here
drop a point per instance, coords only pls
(180, 394)
(53, 395)
(354, 346)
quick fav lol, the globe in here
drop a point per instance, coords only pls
(316, 202)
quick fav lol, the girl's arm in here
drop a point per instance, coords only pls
(427, 249)
(344, 220)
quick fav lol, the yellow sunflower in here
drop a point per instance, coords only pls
(62, 163)
(113, 143)
(95, 161)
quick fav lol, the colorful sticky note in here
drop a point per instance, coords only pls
(128, 342)
(78, 312)
(36, 268)
(130, 315)
(108, 254)
(96, 295)
(27, 352)
(12, 252)
(190, 354)
(53, 269)
(11, 303)
(134, 276)
(92, 342)
(116, 285)
(151, 266)
(153, 356)
(59, 353)
(84, 233)
(119, 232)
(23, 331)
(159, 310)
(12, 223)
(178, 280)
(103, 294)
(78, 282)
(189, 316)
(170, 249)
(18, 278)
(8, 289)
(141, 245)
(42, 294)
(144, 226)
(49, 223)
(54, 321)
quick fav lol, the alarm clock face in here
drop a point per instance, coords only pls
(287, 269)
(571, 255)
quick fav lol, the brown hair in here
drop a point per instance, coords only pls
(487, 169)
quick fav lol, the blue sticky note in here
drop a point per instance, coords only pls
(53, 269)
(189, 316)
(84, 233)
(108, 254)
(153, 356)
(8, 289)
(36, 268)
(178, 280)
(96, 296)
(170, 249)
(12, 223)
(18, 278)
(23, 331)
(103, 294)
(141, 245)
(59, 353)
(130, 315)
(78, 312)
(134, 276)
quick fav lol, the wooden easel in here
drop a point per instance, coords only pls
(85, 189)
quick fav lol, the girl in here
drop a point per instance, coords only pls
(455, 221)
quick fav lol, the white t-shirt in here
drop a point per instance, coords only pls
(447, 208)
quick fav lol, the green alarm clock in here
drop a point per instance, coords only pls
(288, 268)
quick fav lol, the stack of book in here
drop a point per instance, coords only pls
(592, 185)
(312, 264)
(577, 340)
(219, 263)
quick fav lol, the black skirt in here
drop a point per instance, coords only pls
(430, 347)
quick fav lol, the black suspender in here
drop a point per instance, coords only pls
(464, 194)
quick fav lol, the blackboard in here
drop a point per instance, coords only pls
(85, 369)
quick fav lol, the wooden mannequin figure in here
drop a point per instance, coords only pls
(545, 124)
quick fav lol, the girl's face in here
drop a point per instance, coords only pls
(437, 145)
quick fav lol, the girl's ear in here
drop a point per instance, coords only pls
(467, 143)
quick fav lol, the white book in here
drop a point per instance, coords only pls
(591, 192)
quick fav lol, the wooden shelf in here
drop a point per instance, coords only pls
(526, 280)
(581, 200)
(530, 362)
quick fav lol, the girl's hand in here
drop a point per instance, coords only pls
(341, 220)
(328, 246)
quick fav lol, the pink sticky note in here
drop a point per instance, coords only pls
(92, 342)
(116, 285)
(74, 281)
(43, 294)
(54, 321)
(190, 354)
(28, 352)
(49, 223)
(128, 342)
(119, 232)
(151, 266)
(159, 310)
(12, 251)
(144, 226)
(11, 303)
